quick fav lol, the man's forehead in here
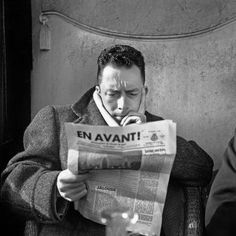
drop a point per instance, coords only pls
(121, 76)
(119, 83)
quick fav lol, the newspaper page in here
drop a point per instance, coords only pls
(128, 167)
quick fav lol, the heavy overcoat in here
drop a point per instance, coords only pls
(29, 180)
(221, 204)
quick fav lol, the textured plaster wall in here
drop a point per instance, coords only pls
(149, 17)
(190, 80)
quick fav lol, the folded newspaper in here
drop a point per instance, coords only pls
(128, 167)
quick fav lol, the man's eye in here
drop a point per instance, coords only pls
(111, 94)
(133, 94)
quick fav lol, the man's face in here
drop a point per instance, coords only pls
(121, 90)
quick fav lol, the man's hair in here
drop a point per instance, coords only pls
(121, 56)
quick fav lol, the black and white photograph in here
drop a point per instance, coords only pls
(118, 117)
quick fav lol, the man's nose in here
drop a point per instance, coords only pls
(122, 102)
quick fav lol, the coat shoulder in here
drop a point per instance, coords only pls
(64, 113)
(152, 117)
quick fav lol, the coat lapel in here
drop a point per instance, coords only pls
(87, 111)
(92, 116)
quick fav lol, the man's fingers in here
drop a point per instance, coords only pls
(71, 186)
(75, 179)
(133, 118)
(127, 119)
(66, 176)
(79, 195)
(74, 194)
(68, 186)
(123, 120)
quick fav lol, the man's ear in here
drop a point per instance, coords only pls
(146, 90)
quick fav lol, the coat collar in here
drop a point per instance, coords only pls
(88, 113)
(80, 106)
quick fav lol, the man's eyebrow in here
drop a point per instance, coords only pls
(133, 90)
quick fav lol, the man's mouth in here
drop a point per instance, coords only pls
(119, 117)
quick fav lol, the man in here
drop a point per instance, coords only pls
(221, 204)
(38, 184)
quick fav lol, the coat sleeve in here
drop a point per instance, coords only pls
(221, 204)
(28, 182)
(192, 165)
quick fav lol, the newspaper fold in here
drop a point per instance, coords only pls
(129, 166)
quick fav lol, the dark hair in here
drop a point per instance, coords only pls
(121, 55)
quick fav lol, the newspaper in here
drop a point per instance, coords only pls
(128, 167)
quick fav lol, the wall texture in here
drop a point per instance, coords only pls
(191, 80)
(149, 17)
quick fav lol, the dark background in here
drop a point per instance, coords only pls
(16, 65)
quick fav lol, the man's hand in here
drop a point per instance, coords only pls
(136, 117)
(133, 118)
(70, 186)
